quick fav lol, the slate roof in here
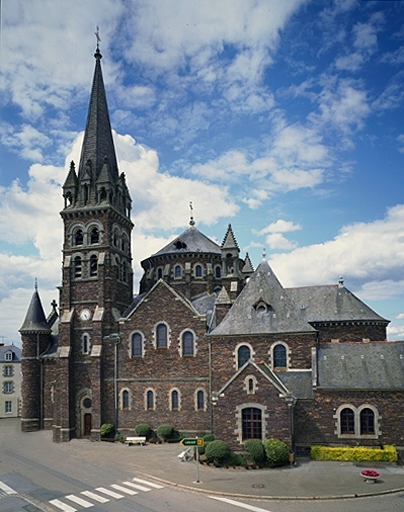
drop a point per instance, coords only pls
(331, 303)
(282, 315)
(299, 383)
(372, 366)
(35, 319)
(7, 348)
(205, 305)
(98, 142)
(191, 240)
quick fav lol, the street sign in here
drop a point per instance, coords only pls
(192, 441)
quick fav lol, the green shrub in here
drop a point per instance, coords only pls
(357, 453)
(208, 437)
(256, 450)
(143, 429)
(236, 459)
(106, 429)
(165, 431)
(217, 451)
(277, 452)
(118, 437)
(202, 449)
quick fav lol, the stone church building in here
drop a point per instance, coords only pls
(208, 344)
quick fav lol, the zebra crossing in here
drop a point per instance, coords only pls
(87, 499)
(103, 494)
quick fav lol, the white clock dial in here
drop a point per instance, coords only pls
(85, 314)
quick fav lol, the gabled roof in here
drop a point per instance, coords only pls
(138, 301)
(191, 240)
(98, 142)
(331, 303)
(246, 316)
(35, 319)
(360, 366)
(266, 372)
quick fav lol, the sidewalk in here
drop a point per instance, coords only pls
(306, 480)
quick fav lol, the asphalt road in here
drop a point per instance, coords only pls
(38, 475)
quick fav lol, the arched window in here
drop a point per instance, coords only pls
(218, 272)
(78, 237)
(94, 236)
(200, 400)
(243, 355)
(367, 422)
(250, 385)
(159, 273)
(150, 400)
(188, 343)
(93, 265)
(161, 336)
(136, 345)
(198, 271)
(177, 271)
(125, 399)
(252, 423)
(347, 421)
(174, 400)
(279, 355)
(77, 267)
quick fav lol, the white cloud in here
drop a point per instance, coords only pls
(376, 273)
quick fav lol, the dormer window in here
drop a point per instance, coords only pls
(8, 356)
(262, 308)
(179, 244)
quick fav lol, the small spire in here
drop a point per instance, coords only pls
(340, 282)
(36, 284)
(191, 218)
(264, 254)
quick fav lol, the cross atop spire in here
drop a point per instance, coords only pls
(191, 217)
(97, 35)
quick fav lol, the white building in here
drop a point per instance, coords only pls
(10, 381)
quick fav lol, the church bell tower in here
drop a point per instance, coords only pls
(97, 281)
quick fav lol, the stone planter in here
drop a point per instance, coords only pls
(370, 475)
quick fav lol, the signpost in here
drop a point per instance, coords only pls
(195, 442)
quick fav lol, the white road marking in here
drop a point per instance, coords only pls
(62, 506)
(79, 501)
(137, 486)
(124, 489)
(109, 493)
(238, 504)
(4, 487)
(94, 496)
(150, 484)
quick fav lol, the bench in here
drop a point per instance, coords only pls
(136, 440)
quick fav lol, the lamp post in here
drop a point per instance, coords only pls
(115, 338)
(291, 402)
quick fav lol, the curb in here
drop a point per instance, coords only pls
(263, 497)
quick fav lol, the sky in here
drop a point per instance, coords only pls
(284, 119)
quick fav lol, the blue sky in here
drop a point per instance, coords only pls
(284, 119)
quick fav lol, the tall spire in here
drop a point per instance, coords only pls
(98, 144)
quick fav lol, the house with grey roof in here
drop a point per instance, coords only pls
(10, 381)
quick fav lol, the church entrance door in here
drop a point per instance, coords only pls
(87, 424)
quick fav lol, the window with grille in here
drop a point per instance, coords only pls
(367, 422)
(252, 423)
(125, 399)
(8, 406)
(161, 335)
(8, 356)
(7, 387)
(77, 267)
(78, 237)
(243, 355)
(347, 421)
(174, 400)
(200, 400)
(137, 345)
(8, 371)
(150, 400)
(93, 265)
(187, 344)
(279, 356)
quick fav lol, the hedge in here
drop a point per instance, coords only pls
(358, 453)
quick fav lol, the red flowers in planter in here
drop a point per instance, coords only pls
(370, 473)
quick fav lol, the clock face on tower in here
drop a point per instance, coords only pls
(85, 314)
